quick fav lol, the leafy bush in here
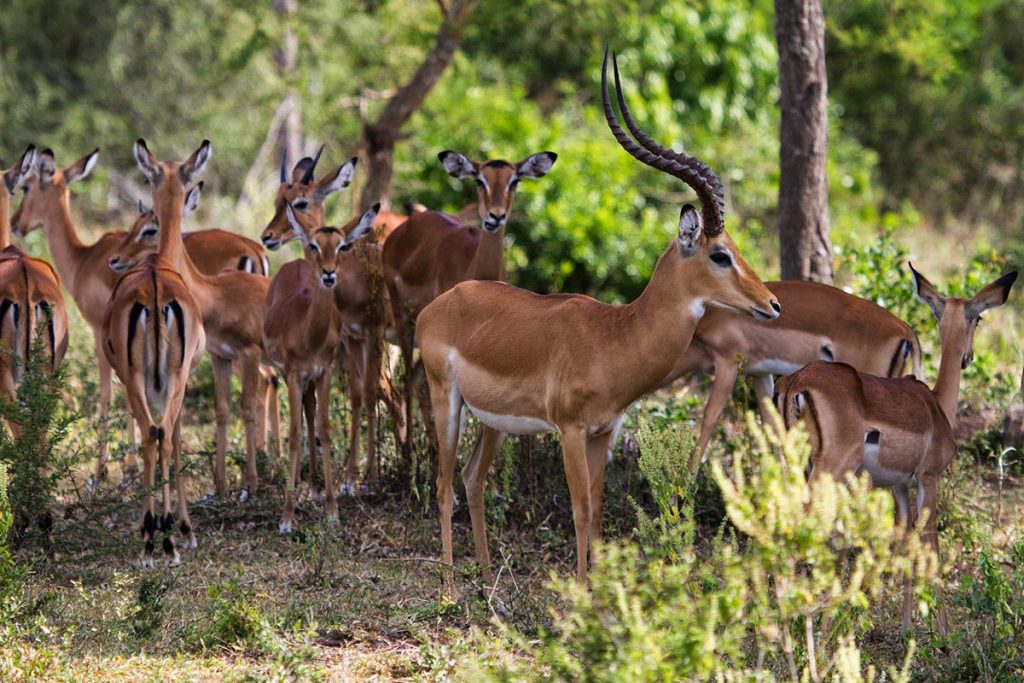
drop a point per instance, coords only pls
(36, 462)
(783, 592)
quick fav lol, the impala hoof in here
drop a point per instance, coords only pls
(332, 517)
(243, 497)
(347, 488)
(145, 562)
(316, 495)
(284, 528)
(190, 543)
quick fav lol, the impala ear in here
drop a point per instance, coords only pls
(690, 228)
(992, 295)
(362, 229)
(193, 167)
(800, 404)
(192, 198)
(927, 293)
(142, 207)
(45, 167)
(338, 181)
(147, 163)
(457, 165)
(536, 165)
(297, 229)
(21, 169)
(81, 169)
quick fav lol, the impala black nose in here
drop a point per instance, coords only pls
(775, 306)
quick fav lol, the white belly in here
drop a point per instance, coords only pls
(772, 366)
(881, 476)
(514, 424)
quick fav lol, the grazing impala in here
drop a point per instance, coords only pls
(153, 334)
(306, 196)
(897, 429)
(527, 363)
(301, 335)
(432, 252)
(818, 323)
(232, 307)
(30, 298)
(84, 267)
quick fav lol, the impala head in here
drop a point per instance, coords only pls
(48, 187)
(326, 246)
(958, 318)
(19, 172)
(707, 264)
(142, 237)
(306, 196)
(496, 181)
(170, 178)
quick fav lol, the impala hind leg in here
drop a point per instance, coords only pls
(355, 403)
(474, 475)
(274, 415)
(371, 392)
(252, 404)
(222, 408)
(149, 520)
(906, 516)
(721, 390)
(315, 482)
(104, 416)
(927, 499)
(574, 458)
(165, 445)
(188, 530)
(447, 403)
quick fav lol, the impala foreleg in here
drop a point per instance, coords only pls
(355, 402)
(323, 390)
(474, 475)
(597, 449)
(721, 390)
(315, 482)
(295, 392)
(104, 413)
(928, 492)
(574, 458)
(447, 403)
(252, 404)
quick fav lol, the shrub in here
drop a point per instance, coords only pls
(784, 590)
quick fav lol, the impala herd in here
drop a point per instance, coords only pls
(157, 297)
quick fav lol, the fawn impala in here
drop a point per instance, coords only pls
(84, 267)
(232, 307)
(897, 429)
(527, 363)
(301, 335)
(432, 252)
(154, 336)
(818, 323)
(30, 296)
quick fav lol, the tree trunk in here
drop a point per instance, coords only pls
(289, 135)
(380, 136)
(804, 244)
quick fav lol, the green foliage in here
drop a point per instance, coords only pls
(789, 599)
(36, 462)
(664, 456)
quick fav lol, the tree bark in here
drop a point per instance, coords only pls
(380, 136)
(289, 135)
(804, 244)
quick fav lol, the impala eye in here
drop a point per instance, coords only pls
(480, 183)
(149, 232)
(313, 246)
(721, 259)
(515, 183)
(300, 204)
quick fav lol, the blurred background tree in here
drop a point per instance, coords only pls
(926, 98)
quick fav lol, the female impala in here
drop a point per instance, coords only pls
(819, 323)
(154, 338)
(432, 252)
(527, 363)
(30, 298)
(301, 335)
(899, 430)
(234, 332)
(84, 267)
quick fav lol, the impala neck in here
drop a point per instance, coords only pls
(5, 215)
(656, 328)
(947, 386)
(170, 211)
(489, 260)
(65, 247)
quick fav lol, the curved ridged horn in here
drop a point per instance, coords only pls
(690, 170)
(308, 177)
(284, 165)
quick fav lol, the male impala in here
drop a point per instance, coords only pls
(30, 298)
(232, 308)
(899, 430)
(818, 323)
(84, 267)
(153, 334)
(301, 335)
(527, 363)
(432, 252)
(306, 196)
